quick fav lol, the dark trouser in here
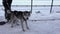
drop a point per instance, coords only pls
(7, 7)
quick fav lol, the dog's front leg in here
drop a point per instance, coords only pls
(26, 24)
(22, 25)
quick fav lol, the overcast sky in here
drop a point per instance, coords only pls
(35, 2)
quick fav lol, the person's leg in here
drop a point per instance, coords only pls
(7, 7)
(4, 5)
(9, 4)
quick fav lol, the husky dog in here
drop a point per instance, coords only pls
(22, 16)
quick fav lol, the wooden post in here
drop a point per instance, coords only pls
(51, 6)
(31, 5)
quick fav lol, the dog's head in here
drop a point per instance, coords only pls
(26, 14)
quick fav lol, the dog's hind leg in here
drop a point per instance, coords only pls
(16, 22)
(12, 22)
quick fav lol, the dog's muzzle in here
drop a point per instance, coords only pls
(27, 18)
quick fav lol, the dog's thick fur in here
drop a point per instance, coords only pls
(21, 15)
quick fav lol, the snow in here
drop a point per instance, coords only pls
(36, 27)
(39, 23)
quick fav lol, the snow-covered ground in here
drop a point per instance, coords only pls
(39, 23)
(44, 26)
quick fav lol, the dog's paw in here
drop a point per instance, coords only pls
(28, 28)
(11, 26)
(17, 24)
(23, 30)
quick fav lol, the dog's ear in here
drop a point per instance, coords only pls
(15, 12)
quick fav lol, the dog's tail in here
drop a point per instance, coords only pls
(2, 22)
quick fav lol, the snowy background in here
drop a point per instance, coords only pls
(39, 23)
(35, 2)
